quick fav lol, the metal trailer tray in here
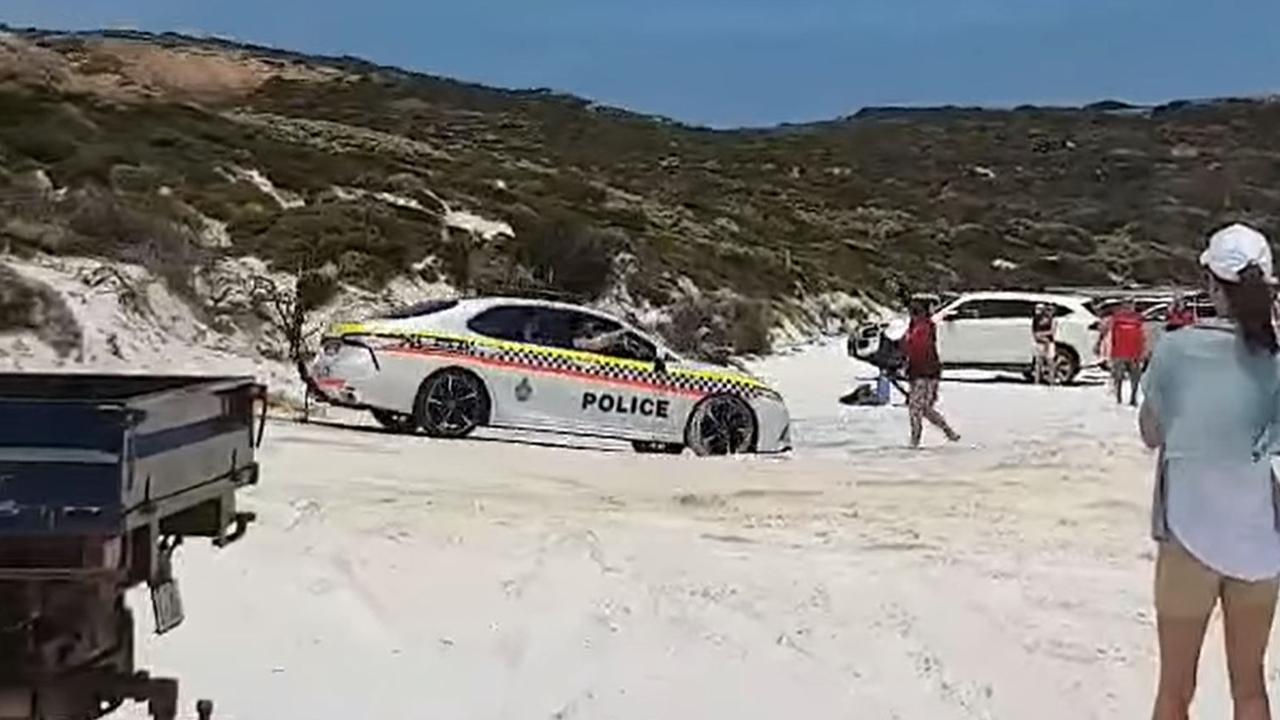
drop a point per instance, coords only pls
(103, 455)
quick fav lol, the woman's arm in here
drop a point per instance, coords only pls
(1153, 387)
(1104, 329)
(1149, 426)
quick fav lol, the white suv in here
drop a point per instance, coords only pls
(992, 331)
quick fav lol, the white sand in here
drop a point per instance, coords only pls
(395, 577)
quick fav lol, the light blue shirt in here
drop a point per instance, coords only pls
(1218, 406)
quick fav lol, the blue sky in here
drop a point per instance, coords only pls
(758, 62)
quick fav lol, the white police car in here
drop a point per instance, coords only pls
(449, 366)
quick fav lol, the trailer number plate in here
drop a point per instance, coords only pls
(166, 605)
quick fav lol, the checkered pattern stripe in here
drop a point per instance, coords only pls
(628, 372)
(526, 356)
(712, 386)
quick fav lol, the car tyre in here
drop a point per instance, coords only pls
(653, 447)
(722, 425)
(452, 403)
(1066, 365)
(395, 422)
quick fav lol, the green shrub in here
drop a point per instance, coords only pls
(369, 241)
(32, 306)
(44, 145)
(713, 326)
(149, 231)
(134, 179)
(315, 288)
(565, 253)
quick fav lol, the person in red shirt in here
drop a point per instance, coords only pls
(1180, 315)
(924, 371)
(1127, 348)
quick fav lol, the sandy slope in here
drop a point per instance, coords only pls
(396, 577)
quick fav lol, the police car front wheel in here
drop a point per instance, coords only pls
(451, 404)
(722, 425)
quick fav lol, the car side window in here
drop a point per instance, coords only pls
(1006, 309)
(996, 309)
(583, 327)
(1061, 311)
(971, 310)
(635, 347)
(983, 310)
(604, 336)
(527, 324)
(505, 322)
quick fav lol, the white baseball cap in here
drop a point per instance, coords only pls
(1234, 248)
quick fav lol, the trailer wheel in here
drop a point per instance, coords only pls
(452, 403)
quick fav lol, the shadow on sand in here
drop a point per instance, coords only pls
(567, 444)
(1090, 381)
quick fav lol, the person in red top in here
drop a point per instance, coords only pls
(1127, 348)
(1180, 315)
(924, 371)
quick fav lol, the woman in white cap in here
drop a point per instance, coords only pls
(1210, 407)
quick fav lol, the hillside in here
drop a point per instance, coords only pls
(182, 155)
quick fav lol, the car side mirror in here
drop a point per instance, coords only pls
(660, 364)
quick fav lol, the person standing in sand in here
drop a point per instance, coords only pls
(1126, 349)
(1044, 326)
(1210, 407)
(924, 371)
(1180, 314)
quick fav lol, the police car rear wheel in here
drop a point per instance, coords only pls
(451, 404)
(722, 425)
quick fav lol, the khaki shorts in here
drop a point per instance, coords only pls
(1187, 588)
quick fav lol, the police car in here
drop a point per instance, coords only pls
(449, 366)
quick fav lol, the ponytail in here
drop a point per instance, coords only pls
(1250, 303)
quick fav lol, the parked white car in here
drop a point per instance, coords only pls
(992, 331)
(447, 367)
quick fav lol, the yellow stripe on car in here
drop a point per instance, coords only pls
(357, 328)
